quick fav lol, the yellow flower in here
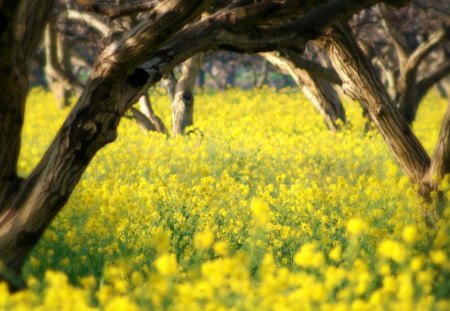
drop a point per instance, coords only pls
(392, 250)
(307, 256)
(410, 234)
(355, 226)
(166, 264)
(438, 257)
(261, 212)
(221, 248)
(336, 253)
(203, 240)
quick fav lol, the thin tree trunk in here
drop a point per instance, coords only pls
(59, 68)
(183, 102)
(146, 117)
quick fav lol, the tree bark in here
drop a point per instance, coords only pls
(183, 99)
(24, 25)
(319, 92)
(361, 84)
(114, 85)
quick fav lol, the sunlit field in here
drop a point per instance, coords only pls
(259, 208)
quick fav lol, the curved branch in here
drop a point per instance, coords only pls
(92, 20)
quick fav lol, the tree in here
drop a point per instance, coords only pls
(171, 33)
(360, 83)
(415, 56)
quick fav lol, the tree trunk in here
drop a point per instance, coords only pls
(319, 92)
(58, 67)
(361, 84)
(146, 117)
(183, 102)
(19, 40)
(114, 85)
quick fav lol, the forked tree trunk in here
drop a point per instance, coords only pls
(361, 84)
(412, 85)
(319, 92)
(183, 99)
(146, 117)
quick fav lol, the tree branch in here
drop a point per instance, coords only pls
(90, 19)
(422, 51)
(115, 11)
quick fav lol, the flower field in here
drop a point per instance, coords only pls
(259, 208)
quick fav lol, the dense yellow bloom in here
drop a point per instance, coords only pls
(307, 256)
(259, 208)
(355, 226)
(410, 234)
(261, 211)
(221, 248)
(204, 240)
(392, 250)
(166, 264)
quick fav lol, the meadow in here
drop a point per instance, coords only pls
(259, 208)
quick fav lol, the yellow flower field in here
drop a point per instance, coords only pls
(259, 208)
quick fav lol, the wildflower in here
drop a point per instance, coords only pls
(307, 256)
(261, 212)
(392, 250)
(203, 240)
(355, 226)
(221, 248)
(166, 264)
(438, 257)
(410, 234)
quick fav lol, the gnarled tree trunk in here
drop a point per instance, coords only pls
(114, 85)
(361, 84)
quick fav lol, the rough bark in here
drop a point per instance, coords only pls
(115, 83)
(113, 87)
(319, 92)
(363, 85)
(183, 99)
(24, 23)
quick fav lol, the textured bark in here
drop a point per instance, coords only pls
(24, 23)
(113, 87)
(440, 164)
(183, 99)
(319, 92)
(122, 72)
(361, 84)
